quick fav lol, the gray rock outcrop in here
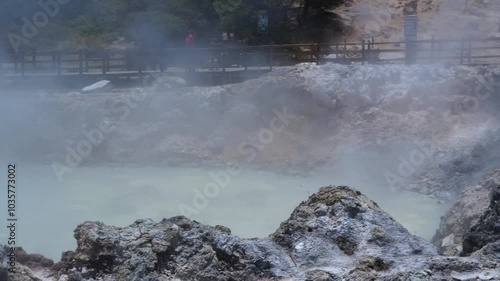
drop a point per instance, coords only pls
(28, 267)
(464, 214)
(336, 234)
(486, 233)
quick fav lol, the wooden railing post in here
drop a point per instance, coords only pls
(261, 56)
(140, 56)
(469, 53)
(312, 52)
(245, 49)
(33, 59)
(411, 51)
(80, 59)
(439, 51)
(54, 63)
(318, 51)
(197, 59)
(224, 56)
(337, 52)
(345, 49)
(108, 61)
(363, 52)
(16, 60)
(369, 53)
(1, 65)
(462, 46)
(103, 61)
(127, 60)
(86, 54)
(23, 63)
(271, 58)
(59, 64)
(432, 49)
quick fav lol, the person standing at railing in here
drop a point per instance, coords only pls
(190, 40)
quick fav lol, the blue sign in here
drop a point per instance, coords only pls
(411, 27)
(263, 22)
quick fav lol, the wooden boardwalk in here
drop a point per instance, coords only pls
(235, 63)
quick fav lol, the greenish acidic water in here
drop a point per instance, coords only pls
(252, 205)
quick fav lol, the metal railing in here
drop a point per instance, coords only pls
(233, 58)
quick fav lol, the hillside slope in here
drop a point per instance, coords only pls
(439, 18)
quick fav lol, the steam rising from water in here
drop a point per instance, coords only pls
(353, 125)
(252, 205)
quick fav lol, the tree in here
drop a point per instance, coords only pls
(94, 23)
(314, 17)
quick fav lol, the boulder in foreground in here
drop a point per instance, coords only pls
(336, 234)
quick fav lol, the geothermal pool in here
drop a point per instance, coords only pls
(252, 205)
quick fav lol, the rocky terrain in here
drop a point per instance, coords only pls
(465, 214)
(383, 19)
(336, 234)
(432, 129)
(324, 110)
(484, 235)
(435, 130)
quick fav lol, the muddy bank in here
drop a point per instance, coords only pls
(434, 127)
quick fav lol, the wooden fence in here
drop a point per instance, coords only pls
(232, 58)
